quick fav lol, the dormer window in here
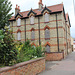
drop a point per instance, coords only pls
(32, 20)
(46, 17)
(18, 22)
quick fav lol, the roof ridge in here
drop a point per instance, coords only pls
(43, 7)
(54, 5)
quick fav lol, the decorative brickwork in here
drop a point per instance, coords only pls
(31, 67)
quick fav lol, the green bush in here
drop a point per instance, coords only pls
(39, 51)
(8, 52)
(11, 53)
(29, 52)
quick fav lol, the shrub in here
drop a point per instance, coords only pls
(8, 52)
(11, 53)
(28, 52)
(39, 51)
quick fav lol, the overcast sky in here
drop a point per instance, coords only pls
(28, 4)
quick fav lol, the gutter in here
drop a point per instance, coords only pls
(25, 30)
(39, 29)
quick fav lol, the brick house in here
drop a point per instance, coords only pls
(45, 26)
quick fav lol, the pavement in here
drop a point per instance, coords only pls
(64, 67)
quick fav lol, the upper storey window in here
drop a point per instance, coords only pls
(32, 20)
(18, 22)
(46, 17)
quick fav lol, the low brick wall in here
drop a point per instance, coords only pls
(54, 56)
(31, 67)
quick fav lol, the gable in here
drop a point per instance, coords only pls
(18, 15)
(31, 13)
(45, 10)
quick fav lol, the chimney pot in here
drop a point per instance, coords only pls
(17, 9)
(40, 4)
(41, 1)
(16, 5)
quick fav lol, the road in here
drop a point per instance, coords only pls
(64, 67)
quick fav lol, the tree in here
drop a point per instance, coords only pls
(5, 7)
(8, 51)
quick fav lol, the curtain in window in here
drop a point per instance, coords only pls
(47, 34)
(18, 36)
(46, 17)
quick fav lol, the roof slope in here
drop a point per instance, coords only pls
(54, 8)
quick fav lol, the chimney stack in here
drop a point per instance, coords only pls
(40, 4)
(17, 9)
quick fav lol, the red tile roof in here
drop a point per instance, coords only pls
(54, 8)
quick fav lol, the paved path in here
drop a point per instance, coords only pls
(64, 67)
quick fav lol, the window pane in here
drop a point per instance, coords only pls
(47, 48)
(32, 35)
(19, 22)
(46, 17)
(18, 36)
(47, 33)
(32, 20)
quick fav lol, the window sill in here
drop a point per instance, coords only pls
(32, 39)
(46, 22)
(18, 40)
(31, 24)
(47, 38)
(18, 26)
